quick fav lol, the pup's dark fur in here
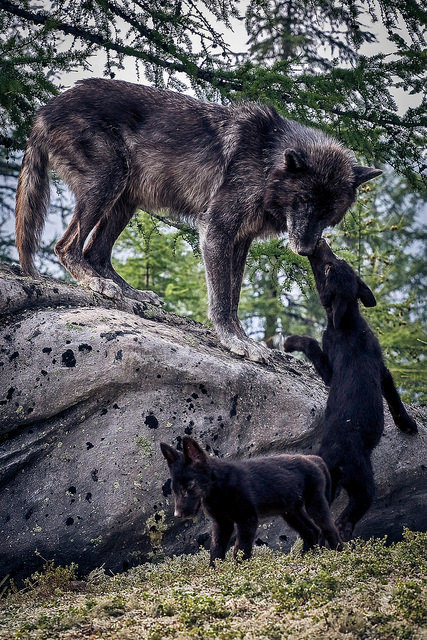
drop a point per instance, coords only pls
(237, 172)
(351, 364)
(241, 492)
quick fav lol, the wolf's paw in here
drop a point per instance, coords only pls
(143, 296)
(246, 347)
(105, 287)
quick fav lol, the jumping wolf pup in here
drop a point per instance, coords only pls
(350, 362)
(237, 172)
(295, 487)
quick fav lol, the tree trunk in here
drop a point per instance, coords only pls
(88, 390)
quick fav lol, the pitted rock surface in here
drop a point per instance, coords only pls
(90, 387)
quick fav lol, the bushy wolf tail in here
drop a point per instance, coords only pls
(32, 200)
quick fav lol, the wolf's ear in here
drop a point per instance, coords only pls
(363, 174)
(192, 451)
(365, 295)
(169, 453)
(294, 160)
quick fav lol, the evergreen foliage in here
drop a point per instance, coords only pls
(149, 255)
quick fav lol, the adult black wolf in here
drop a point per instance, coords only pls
(238, 172)
(295, 487)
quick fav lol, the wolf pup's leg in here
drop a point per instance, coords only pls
(359, 484)
(400, 416)
(318, 509)
(313, 351)
(245, 538)
(299, 520)
(220, 537)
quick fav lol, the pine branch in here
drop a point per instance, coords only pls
(217, 78)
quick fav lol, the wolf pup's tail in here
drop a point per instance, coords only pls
(32, 200)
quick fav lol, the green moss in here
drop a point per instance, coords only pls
(369, 591)
(144, 446)
(156, 527)
(410, 598)
(73, 326)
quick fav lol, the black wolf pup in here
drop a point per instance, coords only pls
(238, 172)
(242, 492)
(351, 364)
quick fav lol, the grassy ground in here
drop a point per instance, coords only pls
(368, 591)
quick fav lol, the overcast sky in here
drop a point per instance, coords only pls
(237, 38)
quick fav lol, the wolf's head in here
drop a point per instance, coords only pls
(190, 475)
(338, 284)
(312, 187)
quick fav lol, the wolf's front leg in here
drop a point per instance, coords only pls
(218, 250)
(220, 537)
(312, 349)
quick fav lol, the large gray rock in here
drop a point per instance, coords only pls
(88, 389)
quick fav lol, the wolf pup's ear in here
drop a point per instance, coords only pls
(192, 451)
(365, 295)
(169, 453)
(294, 160)
(363, 174)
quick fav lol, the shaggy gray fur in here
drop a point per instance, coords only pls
(237, 172)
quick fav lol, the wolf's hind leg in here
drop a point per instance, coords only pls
(100, 245)
(94, 201)
(318, 509)
(361, 489)
(299, 520)
(69, 250)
